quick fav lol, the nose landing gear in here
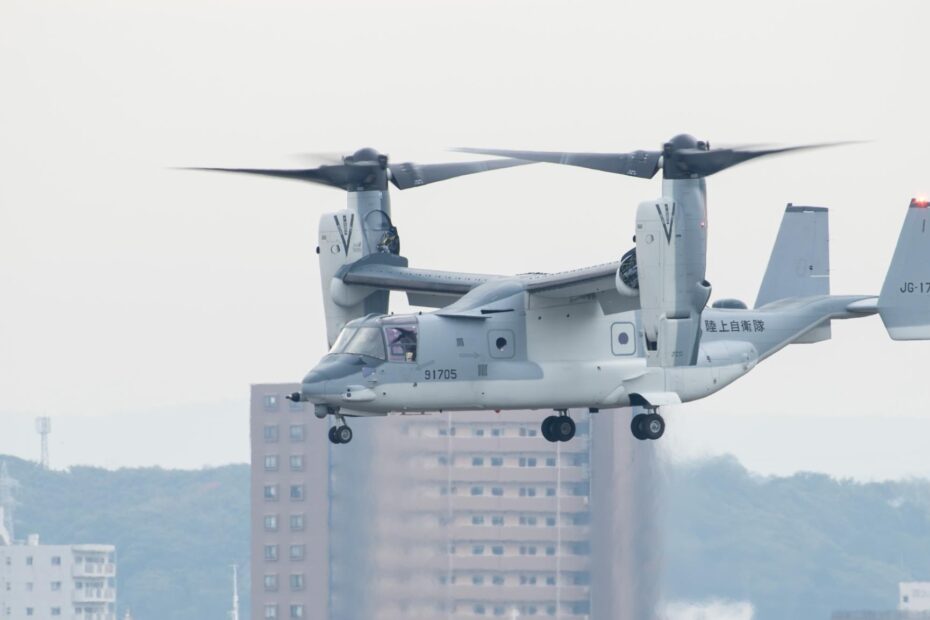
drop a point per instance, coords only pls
(341, 433)
(558, 427)
(647, 426)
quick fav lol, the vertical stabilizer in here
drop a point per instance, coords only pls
(800, 261)
(904, 303)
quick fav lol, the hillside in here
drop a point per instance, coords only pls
(796, 547)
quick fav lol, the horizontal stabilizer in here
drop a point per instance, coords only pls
(904, 303)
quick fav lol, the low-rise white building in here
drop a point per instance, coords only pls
(50, 582)
(914, 596)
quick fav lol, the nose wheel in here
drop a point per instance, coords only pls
(558, 427)
(340, 433)
(647, 426)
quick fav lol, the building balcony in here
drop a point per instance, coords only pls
(467, 473)
(91, 569)
(94, 595)
(487, 445)
(442, 504)
(488, 594)
(492, 563)
(486, 533)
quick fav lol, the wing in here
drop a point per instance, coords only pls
(577, 285)
(429, 288)
(437, 289)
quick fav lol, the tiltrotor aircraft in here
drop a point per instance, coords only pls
(636, 332)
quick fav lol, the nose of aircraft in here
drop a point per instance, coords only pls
(321, 380)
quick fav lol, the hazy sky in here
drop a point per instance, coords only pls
(133, 294)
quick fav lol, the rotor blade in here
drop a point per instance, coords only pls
(409, 174)
(319, 159)
(700, 163)
(333, 176)
(635, 164)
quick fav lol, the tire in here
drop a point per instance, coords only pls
(637, 426)
(655, 426)
(332, 435)
(344, 434)
(548, 428)
(564, 428)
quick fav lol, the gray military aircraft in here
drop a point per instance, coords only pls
(633, 333)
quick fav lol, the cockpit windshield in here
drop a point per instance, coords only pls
(401, 342)
(360, 341)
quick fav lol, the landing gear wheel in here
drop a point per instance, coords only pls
(548, 428)
(647, 426)
(332, 435)
(344, 434)
(655, 426)
(563, 429)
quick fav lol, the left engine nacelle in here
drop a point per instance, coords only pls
(627, 278)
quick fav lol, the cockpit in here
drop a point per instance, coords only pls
(393, 338)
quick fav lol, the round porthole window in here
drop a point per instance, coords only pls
(501, 343)
(623, 338)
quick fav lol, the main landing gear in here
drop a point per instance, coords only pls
(558, 427)
(647, 426)
(341, 433)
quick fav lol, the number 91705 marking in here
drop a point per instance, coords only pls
(440, 374)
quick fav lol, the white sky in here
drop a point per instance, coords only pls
(133, 294)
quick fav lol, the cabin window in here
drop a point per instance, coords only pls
(401, 342)
(366, 341)
(344, 337)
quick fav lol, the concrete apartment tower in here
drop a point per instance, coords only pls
(461, 515)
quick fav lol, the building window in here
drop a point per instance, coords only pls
(498, 580)
(550, 550)
(477, 490)
(297, 523)
(297, 432)
(497, 550)
(297, 582)
(531, 462)
(497, 461)
(479, 610)
(550, 580)
(477, 461)
(550, 492)
(297, 492)
(56, 560)
(30, 611)
(29, 561)
(271, 611)
(297, 462)
(56, 586)
(477, 580)
(550, 461)
(497, 520)
(271, 433)
(479, 432)
(56, 611)
(297, 611)
(271, 523)
(550, 521)
(477, 550)
(497, 491)
(477, 520)
(495, 432)
(30, 586)
(271, 553)
(271, 462)
(271, 402)
(271, 583)
(297, 552)
(271, 492)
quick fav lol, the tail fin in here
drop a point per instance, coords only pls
(800, 261)
(904, 303)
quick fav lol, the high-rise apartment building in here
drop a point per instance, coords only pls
(454, 515)
(49, 582)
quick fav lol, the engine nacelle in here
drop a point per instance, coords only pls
(627, 278)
